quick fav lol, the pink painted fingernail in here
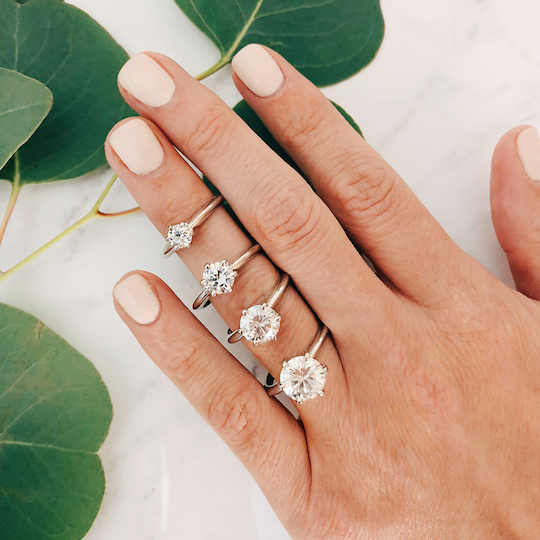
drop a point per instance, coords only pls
(258, 70)
(528, 143)
(147, 81)
(137, 299)
(137, 146)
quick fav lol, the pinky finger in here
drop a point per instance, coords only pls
(258, 429)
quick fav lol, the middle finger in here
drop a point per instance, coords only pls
(294, 227)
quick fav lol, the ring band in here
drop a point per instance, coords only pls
(260, 323)
(180, 236)
(303, 377)
(218, 277)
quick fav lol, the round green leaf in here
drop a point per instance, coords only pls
(66, 50)
(24, 104)
(249, 116)
(328, 40)
(55, 413)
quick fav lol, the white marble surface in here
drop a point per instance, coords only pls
(452, 76)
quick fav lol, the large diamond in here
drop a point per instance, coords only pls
(218, 278)
(180, 236)
(260, 324)
(303, 378)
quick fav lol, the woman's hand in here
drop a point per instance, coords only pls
(430, 422)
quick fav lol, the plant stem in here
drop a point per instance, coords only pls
(15, 190)
(216, 67)
(94, 212)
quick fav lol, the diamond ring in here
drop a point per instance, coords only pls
(303, 377)
(218, 277)
(179, 236)
(260, 323)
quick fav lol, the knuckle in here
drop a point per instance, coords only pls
(304, 125)
(235, 414)
(213, 134)
(366, 190)
(182, 358)
(291, 219)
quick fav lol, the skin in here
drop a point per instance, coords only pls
(430, 425)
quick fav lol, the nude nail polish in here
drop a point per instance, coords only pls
(137, 299)
(528, 143)
(258, 70)
(137, 146)
(147, 81)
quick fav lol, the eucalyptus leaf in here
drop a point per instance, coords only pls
(24, 103)
(69, 52)
(327, 40)
(249, 116)
(55, 413)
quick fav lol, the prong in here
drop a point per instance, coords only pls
(321, 393)
(265, 305)
(213, 293)
(284, 363)
(244, 312)
(206, 266)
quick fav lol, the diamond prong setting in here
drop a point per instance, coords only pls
(303, 378)
(218, 278)
(260, 324)
(179, 236)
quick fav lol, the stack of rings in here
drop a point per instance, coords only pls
(303, 377)
(261, 323)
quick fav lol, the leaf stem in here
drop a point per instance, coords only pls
(94, 212)
(224, 60)
(15, 190)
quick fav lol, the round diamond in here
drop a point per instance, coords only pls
(260, 324)
(303, 378)
(180, 236)
(218, 278)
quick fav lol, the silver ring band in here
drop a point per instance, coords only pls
(224, 269)
(179, 236)
(266, 311)
(300, 369)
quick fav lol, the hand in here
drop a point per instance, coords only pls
(430, 422)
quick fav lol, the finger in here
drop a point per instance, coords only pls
(294, 227)
(261, 432)
(171, 193)
(515, 205)
(376, 207)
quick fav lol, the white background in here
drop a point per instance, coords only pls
(452, 76)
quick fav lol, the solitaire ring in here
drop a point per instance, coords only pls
(218, 277)
(303, 377)
(260, 323)
(180, 236)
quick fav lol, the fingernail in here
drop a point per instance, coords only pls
(137, 146)
(528, 143)
(137, 299)
(147, 81)
(258, 70)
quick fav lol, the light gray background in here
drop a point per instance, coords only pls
(452, 76)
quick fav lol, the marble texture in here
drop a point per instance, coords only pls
(452, 76)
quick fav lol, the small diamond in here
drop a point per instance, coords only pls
(260, 324)
(218, 278)
(303, 378)
(180, 236)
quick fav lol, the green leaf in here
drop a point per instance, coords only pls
(55, 413)
(249, 116)
(327, 40)
(78, 61)
(24, 103)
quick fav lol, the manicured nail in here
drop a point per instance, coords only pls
(147, 81)
(528, 143)
(137, 146)
(258, 70)
(137, 299)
